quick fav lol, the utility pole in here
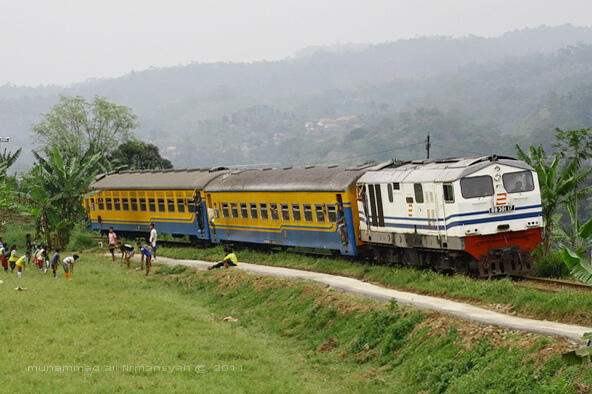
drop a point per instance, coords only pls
(428, 145)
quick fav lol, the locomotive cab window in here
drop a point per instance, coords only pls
(476, 186)
(448, 193)
(152, 205)
(244, 211)
(263, 208)
(389, 189)
(161, 205)
(296, 212)
(253, 207)
(396, 186)
(518, 182)
(418, 189)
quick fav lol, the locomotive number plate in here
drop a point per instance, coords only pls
(501, 209)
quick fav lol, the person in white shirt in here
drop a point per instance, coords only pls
(153, 240)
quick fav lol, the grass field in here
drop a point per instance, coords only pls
(501, 295)
(110, 328)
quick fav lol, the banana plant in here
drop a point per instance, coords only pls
(577, 259)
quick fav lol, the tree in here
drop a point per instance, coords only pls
(55, 191)
(74, 126)
(8, 158)
(556, 185)
(137, 155)
(576, 147)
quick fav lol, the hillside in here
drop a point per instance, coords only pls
(348, 103)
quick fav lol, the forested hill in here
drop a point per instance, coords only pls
(349, 103)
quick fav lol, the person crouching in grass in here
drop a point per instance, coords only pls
(68, 265)
(20, 264)
(127, 252)
(55, 261)
(13, 257)
(147, 254)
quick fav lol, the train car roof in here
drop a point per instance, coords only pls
(289, 179)
(442, 170)
(186, 179)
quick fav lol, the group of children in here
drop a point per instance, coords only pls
(36, 254)
(128, 251)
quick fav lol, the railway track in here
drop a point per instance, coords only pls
(552, 283)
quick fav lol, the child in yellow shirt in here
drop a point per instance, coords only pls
(20, 264)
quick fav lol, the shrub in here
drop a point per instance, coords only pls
(551, 266)
(81, 241)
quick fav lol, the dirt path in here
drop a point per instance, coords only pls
(367, 290)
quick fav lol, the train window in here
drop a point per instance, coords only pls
(180, 205)
(476, 186)
(518, 182)
(274, 211)
(448, 193)
(143, 204)
(152, 205)
(225, 210)
(307, 212)
(134, 204)
(100, 203)
(190, 205)
(418, 189)
(244, 210)
(171, 204)
(125, 204)
(296, 212)
(161, 205)
(253, 210)
(263, 209)
(234, 210)
(116, 204)
(319, 213)
(389, 188)
(396, 186)
(108, 204)
(285, 212)
(92, 204)
(332, 213)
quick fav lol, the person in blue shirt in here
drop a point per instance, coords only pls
(145, 253)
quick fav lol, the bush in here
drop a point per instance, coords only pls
(81, 241)
(551, 266)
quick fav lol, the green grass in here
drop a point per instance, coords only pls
(566, 305)
(290, 336)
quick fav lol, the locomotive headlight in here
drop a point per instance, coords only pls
(497, 177)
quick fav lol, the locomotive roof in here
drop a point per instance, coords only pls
(443, 170)
(330, 179)
(186, 179)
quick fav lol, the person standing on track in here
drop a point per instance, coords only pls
(153, 241)
(145, 253)
(112, 242)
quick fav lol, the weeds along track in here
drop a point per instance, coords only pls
(548, 284)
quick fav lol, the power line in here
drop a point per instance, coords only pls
(368, 154)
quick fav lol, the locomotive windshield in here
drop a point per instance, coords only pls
(517, 182)
(476, 186)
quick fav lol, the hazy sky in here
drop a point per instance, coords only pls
(64, 41)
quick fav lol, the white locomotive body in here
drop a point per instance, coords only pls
(467, 214)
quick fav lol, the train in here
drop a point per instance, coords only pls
(476, 215)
